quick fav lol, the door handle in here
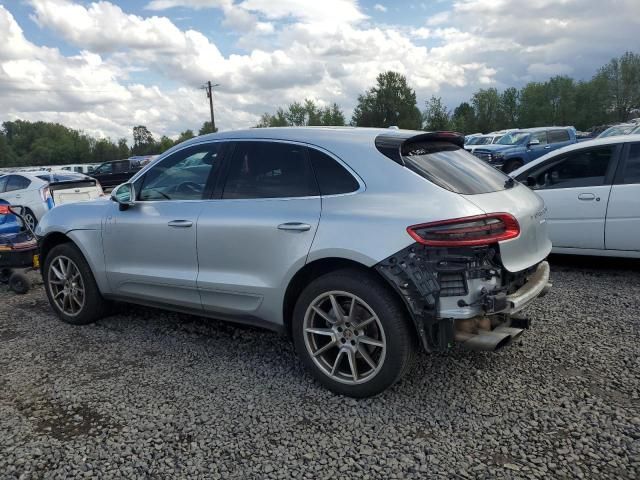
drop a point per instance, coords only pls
(586, 196)
(294, 226)
(547, 147)
(180, 223)
(18, 195)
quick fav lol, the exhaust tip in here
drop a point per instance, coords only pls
(505, 342)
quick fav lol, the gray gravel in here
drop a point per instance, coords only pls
(150, 394)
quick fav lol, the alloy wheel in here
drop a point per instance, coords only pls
(344, 337)
(66, 285)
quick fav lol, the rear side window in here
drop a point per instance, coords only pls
(332, 177)
(540, 136)
(17, 182)
(3, 184)
(631, 173)
(269, 170)
(453, 168)
(557, 136)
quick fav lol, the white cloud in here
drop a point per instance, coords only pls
(379, 7)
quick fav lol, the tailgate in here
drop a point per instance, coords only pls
(533, 244)
(73, 192)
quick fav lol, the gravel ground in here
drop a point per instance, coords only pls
(151, 394)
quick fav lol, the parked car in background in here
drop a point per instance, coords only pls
(592, 193)
(477, 142)
(39, 192)
(8, 223)
(359, 243)
(621, 129)
(87, 169)
(520, 147)
(115, 172)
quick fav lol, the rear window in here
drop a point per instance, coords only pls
(57, 177)
(453, 168)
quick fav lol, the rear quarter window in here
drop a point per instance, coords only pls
(452, 168)
(557, 136)
(332, 177)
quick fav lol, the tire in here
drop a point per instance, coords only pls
(19, 283)
(31, 219)
(5, 274)
(90, 305)
(511, 165)
(341, 343)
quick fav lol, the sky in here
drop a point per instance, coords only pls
(105, 66)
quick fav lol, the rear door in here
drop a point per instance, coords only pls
(15, 191)
(259, 230)
(622, 229)
(575, 188)
(558, 138)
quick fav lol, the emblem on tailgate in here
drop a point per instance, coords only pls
(540, 215)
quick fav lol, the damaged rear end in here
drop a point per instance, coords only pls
(465, 278)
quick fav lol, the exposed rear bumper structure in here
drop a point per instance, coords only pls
(444, 314)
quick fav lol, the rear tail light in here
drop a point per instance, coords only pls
(467, 231)
(4, 210)
(45, 194)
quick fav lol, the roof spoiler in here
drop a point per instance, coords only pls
(391, 145)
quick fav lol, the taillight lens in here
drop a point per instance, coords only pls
(45, 193)
(4, 210)
(467, 231)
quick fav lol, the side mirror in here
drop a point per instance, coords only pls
(533, 142)
(124, 195)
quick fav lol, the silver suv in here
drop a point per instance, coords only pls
(361, 244)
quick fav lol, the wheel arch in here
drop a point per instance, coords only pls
(47, 243)
(316, 269)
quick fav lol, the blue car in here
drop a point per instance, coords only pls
(520, 147)
(8, 223)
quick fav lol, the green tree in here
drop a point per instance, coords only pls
(123, 149)
(143, 141)
(206, 128)
(621, 78)
(486, 103)
(464, 119)
(184, 136)
(165, 144)
(436, 116)
(307, 113)
(390, 103)
(332, 116)
(508, 111)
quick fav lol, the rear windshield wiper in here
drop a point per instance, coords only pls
(509, 182)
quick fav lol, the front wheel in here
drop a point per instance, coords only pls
(352, 333)
(70, 286)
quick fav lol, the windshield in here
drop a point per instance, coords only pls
(617, 130)
(473, 141)
(453, 168)
(514, 138)
(483, 141)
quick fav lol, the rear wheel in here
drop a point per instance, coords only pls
(352, 333)
(30, 219)
(19, 282)
(70, 286)
(512, 165)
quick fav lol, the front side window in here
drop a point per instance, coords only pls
(584, 168)
(515, 138)
(104, 168)
(17, 182)
(631, 173)
(558, 136)
(269, 170)
(181, 176)
(3, 183)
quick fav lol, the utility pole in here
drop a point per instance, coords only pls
(209, 88)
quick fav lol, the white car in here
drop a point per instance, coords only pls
(40, 191)
(592, 193)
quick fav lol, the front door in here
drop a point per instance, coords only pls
(150, 248)
(260, 230)
(575, 188)
(622, 230)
